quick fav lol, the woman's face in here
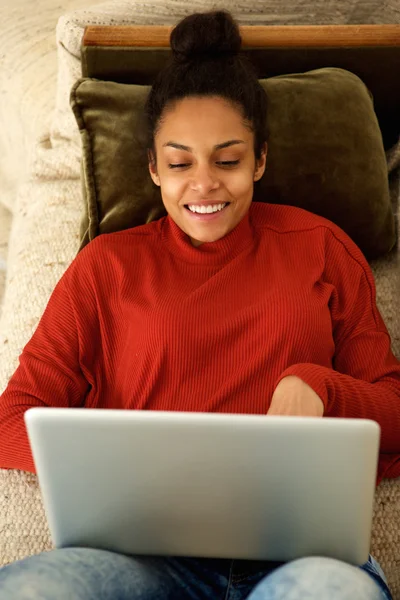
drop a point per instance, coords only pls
(205, 158)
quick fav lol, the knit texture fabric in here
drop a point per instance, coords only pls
(45, 238)
(143, 320)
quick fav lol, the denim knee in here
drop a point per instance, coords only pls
(315, 578)
(82, 574)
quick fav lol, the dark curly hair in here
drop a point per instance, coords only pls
(206, 61)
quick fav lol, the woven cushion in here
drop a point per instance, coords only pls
(325, 155)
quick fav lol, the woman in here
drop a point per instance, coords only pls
(224, 305)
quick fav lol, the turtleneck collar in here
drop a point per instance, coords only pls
(208, 253)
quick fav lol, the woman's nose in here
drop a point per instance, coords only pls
(205, 179)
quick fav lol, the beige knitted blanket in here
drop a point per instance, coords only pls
(45, 238)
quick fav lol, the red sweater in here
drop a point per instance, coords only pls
(142, 319)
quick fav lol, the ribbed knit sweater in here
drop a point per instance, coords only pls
(142, 319)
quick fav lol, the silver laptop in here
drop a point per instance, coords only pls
(206, 485)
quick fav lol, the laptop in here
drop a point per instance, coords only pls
(206, 484)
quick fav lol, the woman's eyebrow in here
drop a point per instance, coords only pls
(216, 147)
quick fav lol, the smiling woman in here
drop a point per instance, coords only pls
(206, 129)
(206, 184)
(223, 305)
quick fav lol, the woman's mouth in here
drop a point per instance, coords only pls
(206, 213)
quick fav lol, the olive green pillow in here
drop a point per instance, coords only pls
(325, 155)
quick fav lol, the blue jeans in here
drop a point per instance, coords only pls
(89, 574)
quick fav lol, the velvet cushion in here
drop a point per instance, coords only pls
(325, 155)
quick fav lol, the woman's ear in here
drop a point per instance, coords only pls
(261, 163)
(153, 168)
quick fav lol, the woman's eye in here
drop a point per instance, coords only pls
(226, 163)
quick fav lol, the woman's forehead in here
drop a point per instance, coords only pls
(194, 119)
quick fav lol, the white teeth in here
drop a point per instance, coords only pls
(206, 209)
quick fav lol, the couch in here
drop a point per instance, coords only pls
(41, 198)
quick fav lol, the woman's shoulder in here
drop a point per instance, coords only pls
(105, 242)
(285, 218)
(136, 232)
(106, 249)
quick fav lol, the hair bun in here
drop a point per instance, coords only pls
(205, 36)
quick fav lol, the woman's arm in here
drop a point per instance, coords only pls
(49, 374)
(365, 379)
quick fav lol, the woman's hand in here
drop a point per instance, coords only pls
(292, 396)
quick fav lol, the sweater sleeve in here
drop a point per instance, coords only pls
(49, 374)
(364, 381)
